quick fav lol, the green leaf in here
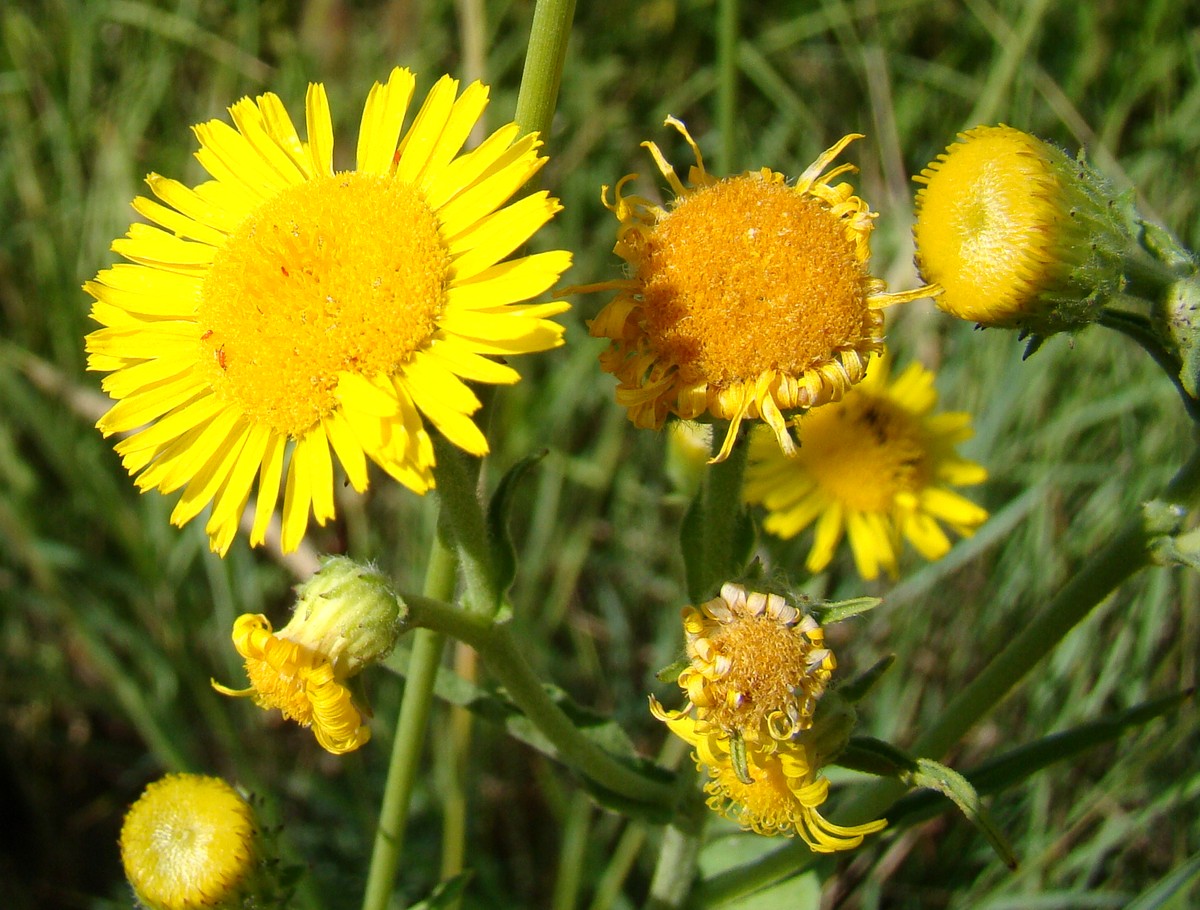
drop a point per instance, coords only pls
(838, 610)
(854, 689)
(670, 673)
(885, 760)
(1017, 765)
(504, 554)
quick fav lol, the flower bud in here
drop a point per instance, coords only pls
(192, 842)
(1018, 235)
(347, 612)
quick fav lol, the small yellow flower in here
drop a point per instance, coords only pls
(782, 795)
(876, 466)
(757, 665)
(1015, 233)
(346, 619)
(285, 312)
(747, 297)
(190, 842)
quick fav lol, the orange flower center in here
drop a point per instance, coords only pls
(748, 275)
(768, 671)
(345, 273)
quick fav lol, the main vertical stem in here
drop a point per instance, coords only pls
(440, 579)
(544, 65)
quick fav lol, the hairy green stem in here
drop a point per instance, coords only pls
(1137, 327)
(544, 65)
(676, 867)
(498, 649)
(440, 578)
(727, 74)
(722, 508)
(1128, 551)
(462, 516)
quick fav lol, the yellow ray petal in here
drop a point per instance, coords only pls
(490, 239)
(462, 361)
(464, 171)
(149, 404)
(426, 130)
(183, 199)
(230, 501)
(249, 119)
(320, 133)
(297, 497)
(281, 129)
(459, 122)
(509, 282)
(180, 225)
(347, 448)
(211, 475)
(268, 487)
(382, 120)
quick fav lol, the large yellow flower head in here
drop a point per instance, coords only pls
(347, 618)
(747, 296)
(757, 665)
(776, 791)
(287, 311)
(191, 842)
(1015, 233)
(877, 467)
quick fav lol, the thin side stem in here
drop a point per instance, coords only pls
(440, 577)
(544, 65)
(1138, 328)
(497, 648)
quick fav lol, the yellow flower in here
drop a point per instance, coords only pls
(298, 681)
(1015, 233)
(347, 617)
(757, 665)
(782, 795)
(876, 465)
(190, 842)
(747, 297)
(285, 311)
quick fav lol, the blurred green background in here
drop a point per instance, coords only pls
(112, 622)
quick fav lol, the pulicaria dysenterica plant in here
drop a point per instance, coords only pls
(287, 326)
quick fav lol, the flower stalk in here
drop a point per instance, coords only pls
(498, 649)
(544, 65)
(427, 647)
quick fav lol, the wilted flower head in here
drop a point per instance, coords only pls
(748, 296)
(191, 842)
(757, 665)
(347, 617)
(283, 312)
